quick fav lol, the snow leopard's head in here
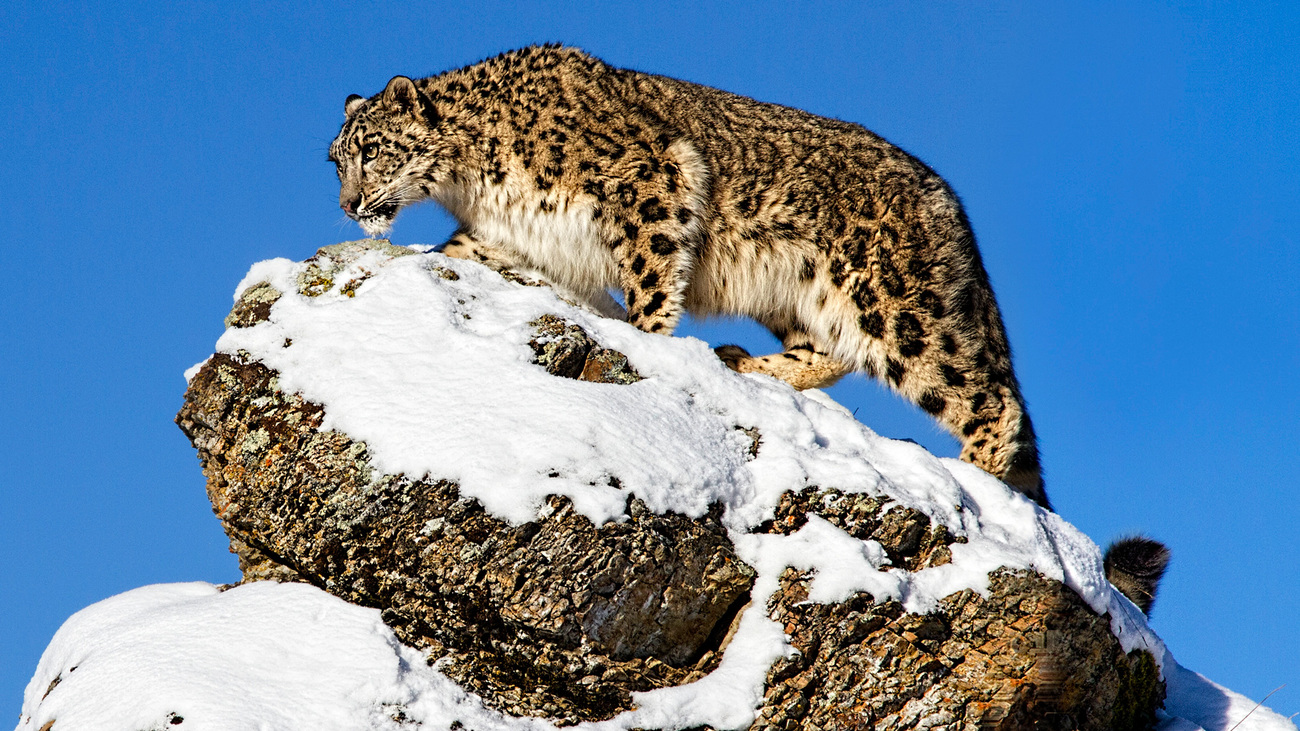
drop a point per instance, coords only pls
(391, 152)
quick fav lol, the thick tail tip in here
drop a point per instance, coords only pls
(1135, 566)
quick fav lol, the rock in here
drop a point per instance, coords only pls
(563, 619)
(565, 350)
(1031, 655)
(522, 613)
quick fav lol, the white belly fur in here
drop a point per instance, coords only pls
(562, 245)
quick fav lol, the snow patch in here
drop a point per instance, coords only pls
(1196, 702)
(260, 656)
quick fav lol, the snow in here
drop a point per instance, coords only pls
(290, 657)
(260, 656)
(435, 375)
(1193, 701)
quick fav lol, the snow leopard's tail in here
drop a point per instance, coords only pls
(1135, 565)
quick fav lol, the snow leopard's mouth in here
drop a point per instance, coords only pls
(377, 221)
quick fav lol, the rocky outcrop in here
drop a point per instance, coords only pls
(1030, 655)
(563, 619)
(557, 617)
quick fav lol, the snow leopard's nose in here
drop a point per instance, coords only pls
(350, 206)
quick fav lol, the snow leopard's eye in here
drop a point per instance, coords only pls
(369, 152)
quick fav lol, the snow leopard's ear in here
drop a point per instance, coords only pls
(352, 104)
(402, 92)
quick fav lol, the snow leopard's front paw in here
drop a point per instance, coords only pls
(462, 246)
(735, 357)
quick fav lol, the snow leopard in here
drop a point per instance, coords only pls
(856, 255)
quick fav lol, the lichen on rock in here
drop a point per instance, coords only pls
(341, 266)
(253, 306)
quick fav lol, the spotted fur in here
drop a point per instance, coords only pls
(856, 255)
(852, 252)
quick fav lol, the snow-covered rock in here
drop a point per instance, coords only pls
(373, 414)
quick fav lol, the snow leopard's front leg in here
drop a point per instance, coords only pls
(464, 245)
(653, 214)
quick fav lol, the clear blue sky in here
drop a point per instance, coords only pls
(1132, 176)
